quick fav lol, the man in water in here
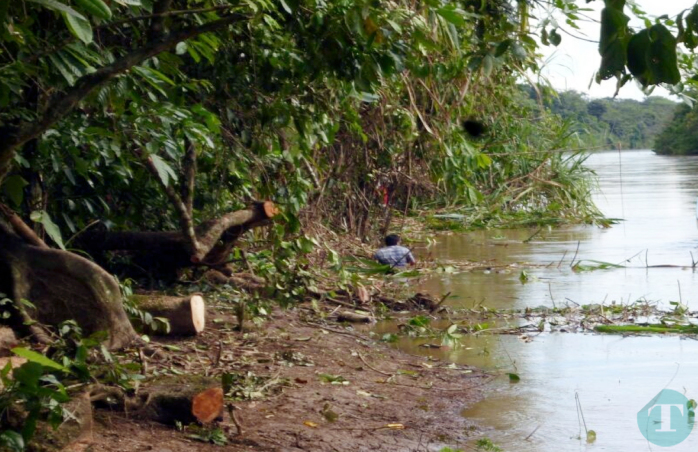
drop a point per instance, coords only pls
(394, 254)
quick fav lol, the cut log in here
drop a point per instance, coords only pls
(185, 400)
(186, 315)
(354, 317)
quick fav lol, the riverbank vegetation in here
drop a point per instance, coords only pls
(679, 137)
(230, 150)
(615, 123)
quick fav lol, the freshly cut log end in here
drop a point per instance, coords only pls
(185, 399)
(207, 406)
(198, 313)
(270, 209)
(186, 315)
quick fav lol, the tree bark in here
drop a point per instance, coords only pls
(63, 286)
(216, 238)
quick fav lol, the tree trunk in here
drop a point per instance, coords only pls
(63, 286)
(215, 237)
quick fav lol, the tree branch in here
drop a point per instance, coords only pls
(21, 228)
(210, 232)
(157, 25)
(62, 104)
(189, 169)
(186, 222)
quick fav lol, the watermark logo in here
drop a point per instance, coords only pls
(667, 419)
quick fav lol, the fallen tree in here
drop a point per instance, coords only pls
(164, 252)
(62, 285)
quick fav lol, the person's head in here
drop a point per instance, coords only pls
(392, 239)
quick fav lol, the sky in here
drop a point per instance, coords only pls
(573, 63)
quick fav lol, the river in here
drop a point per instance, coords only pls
(614, 377)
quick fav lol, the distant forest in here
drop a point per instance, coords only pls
(609, 123)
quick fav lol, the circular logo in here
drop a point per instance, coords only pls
(667, 419)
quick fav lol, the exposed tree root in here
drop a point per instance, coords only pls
(62, 286)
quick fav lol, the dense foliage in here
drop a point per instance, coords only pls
(680, 136)
(336, 106)
(612, 123)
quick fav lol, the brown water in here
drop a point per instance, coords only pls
(613, 376)
(655, 195)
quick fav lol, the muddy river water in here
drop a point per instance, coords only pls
(614, 377)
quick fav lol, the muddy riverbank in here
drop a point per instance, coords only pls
(313, 387)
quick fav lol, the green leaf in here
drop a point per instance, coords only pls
(613, 42)
(41, 216)
(503, 47)
(79, 27)
(63, 69)
(286, 7)
(487, 65)
(165, 171)
(452, 15)
(518, 51)
(12, 440)
(14, 188)
(95, 7)
(58, 6)
(369, 98)
(38, 358)
(514, 378)
(555, 37)
(28, 375)
(652, 56)
(181, 48)
(333, 379)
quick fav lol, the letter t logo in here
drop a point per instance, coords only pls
(666, 415)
